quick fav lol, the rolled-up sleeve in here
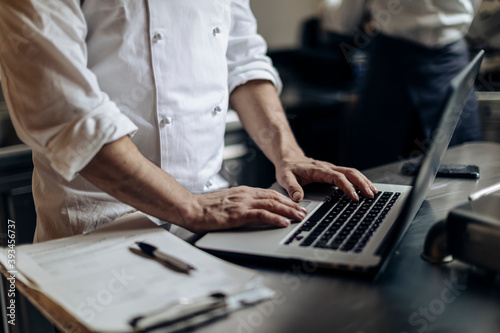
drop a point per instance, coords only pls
(54, 100)
(246, 53)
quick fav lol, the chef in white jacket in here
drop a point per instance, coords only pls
(124, 105)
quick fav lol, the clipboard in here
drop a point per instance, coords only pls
(107, 288)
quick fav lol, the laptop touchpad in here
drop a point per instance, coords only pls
(305, 203)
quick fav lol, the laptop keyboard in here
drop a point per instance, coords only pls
(343, 224)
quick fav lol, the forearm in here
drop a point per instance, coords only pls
(262, 115)
(120, 170)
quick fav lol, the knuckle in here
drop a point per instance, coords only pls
(271, 205)
(275, 195)
(261, 214)
(340, 177)
(244, 189)
(289, 211)
(351, 171)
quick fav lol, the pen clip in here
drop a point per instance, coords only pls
(185, 313)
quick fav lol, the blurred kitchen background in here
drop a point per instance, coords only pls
(321, 86)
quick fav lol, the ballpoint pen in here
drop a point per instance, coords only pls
(170, 260)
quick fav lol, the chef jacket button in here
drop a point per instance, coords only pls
(157, 37)
(166, 121)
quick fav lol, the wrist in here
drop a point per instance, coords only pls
(289, 157)
(191, 213)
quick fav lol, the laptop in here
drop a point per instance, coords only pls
(342, 234)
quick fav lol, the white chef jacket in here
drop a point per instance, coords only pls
(432, 23)
(77, 76)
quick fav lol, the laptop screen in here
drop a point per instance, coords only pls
(459, 90)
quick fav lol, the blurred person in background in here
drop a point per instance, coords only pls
(414, 49)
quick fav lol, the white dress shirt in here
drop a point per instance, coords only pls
(79, 76)
(432, 23)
